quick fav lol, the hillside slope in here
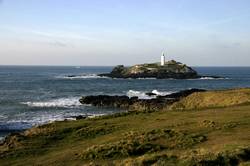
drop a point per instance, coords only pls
(219, 98)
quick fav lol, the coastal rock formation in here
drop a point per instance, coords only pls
(171, 69)
(134, 103)
(109, 101)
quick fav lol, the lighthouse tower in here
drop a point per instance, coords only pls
(162, 59)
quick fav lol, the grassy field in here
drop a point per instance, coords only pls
(208, 134)
(219, 98)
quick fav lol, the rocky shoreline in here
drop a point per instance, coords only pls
(136, 104)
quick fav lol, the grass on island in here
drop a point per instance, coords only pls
(217, 134)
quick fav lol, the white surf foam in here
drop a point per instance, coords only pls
(139, 94)
(3, 117)
(143, 95)
(84, 76)
(161, 93)
(44, 118)
(207, 78)
(62, 102)
(212, 78)
(146, 78)
(96, 115)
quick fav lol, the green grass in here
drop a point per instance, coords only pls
(210, 136)
(139, 143)
(220, 98)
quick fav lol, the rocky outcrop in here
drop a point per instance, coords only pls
(134, 103)
(109, 101)
(171, 69)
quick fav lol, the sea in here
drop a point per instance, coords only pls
(35, 95)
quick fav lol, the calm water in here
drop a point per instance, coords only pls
(36, 95)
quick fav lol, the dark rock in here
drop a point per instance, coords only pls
(150, 94)
(134, 98)
(71, 76)
(106, 100)
(79, 117)
(134, 103)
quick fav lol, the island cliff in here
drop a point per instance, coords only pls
(170, 69)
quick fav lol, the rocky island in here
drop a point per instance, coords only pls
(170, 69)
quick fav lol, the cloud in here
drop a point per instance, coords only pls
(50, 34)
(61, 35)
(58, 44)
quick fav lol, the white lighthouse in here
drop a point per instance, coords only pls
(162, 59)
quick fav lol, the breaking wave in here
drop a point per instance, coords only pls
(161, 93)
(144, 95)
(62, 102)
(44, 118)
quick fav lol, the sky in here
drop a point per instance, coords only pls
(112, 32)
